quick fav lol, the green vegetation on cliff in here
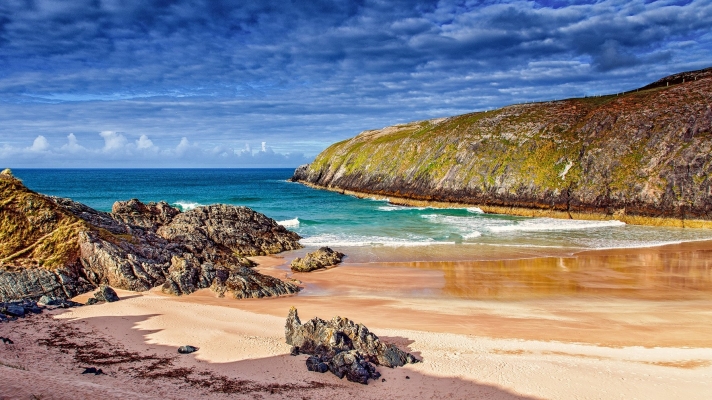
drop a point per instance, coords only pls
(34, 231)
(644, 156)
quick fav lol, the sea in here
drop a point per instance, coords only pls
(373, 228)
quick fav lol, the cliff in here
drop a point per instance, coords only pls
(58, 247)
(643, 157)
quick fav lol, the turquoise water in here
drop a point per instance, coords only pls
(327, 218)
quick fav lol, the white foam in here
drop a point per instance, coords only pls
(475, 210)
(399, 208)
(185, 205)
(289, 223)
(552, 224)
(472, 235)
(361, 241)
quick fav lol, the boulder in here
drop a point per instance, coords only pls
(107, 294)
(322, 258)
(348, 349)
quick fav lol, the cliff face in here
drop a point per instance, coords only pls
(58, 247)
(642, 157)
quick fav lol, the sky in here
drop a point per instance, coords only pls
(191, 83)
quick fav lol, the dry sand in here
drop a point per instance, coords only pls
(589, 326)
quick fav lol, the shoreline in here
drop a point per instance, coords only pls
(553, 346)
(525, 212)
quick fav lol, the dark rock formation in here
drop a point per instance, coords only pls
(347, 349)
(149, 216)
(12, 310)
(643, 157)
(60, 248)
(187, 349)
(321, 258)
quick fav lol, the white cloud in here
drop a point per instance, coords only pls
(113, 141)
(118, 151)
(40, 144)
(72, 145)
(144, 143)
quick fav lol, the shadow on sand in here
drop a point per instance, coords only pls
(128, 357)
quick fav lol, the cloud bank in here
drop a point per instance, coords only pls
(301, 75)
(120, 152)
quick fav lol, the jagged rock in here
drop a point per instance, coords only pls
(352, 365)
(149, 216)
(61, 248)
(107, 294)
(204, 230)
(187, 349)
(92, 300)
(349, 349)
(321, 258)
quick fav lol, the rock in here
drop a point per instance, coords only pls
(62, 248)
(314, 364)
(92, 370)
(187, 349)
(353, 366)
(13, 310)
(6, 340)
(149, 216)
(321, 258)
(47, 300)
(91, 301)
(107, 294)
(349, 349)
(294, 351)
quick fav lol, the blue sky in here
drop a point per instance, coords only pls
(178, 83)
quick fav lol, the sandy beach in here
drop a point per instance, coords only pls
(629, 323)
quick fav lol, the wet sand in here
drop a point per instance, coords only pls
(631, 323)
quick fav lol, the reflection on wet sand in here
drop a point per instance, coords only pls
(672, 272)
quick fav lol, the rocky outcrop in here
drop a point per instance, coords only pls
(343, 347)
(149, 216)
(643, 157)
(58, 247)
(322, 258)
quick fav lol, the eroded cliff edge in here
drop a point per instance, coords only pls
(58, 247)
(643, 157)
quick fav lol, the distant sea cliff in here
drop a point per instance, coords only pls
(642, 157)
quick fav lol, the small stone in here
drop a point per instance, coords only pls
(89, 370)
(383, 379)
(6, 340)
(407, 377)
(92, 301)
(187, 349)
(295, 351)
